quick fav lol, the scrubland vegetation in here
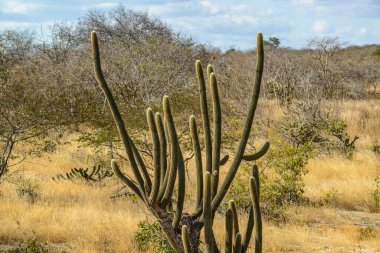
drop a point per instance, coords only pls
(319, 108)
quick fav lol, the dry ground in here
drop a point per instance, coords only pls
(77, 217)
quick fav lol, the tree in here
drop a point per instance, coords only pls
(273, 42)
(29, 105)
(155, 59)
(329, 75)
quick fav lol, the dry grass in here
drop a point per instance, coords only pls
(84, 218)
(362, 118)
(346, 184)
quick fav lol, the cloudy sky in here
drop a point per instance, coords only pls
(221, 23)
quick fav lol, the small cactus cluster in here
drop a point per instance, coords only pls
(235, 241)
(182, 229)
(95, 174)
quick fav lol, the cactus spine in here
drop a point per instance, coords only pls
(168, 164)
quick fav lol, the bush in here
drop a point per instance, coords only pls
(329, 197)
(308, 125)
(284, 184)
(239, 192)
(26, 188)
(32, 246)
(377, 51)
(281, 179)
(150, 236)
(338, 129)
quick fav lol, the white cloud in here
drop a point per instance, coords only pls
(320, 26)
(16, 7)
(105, 5)
(363, 31)
(159, 10)
(239, 7)
(303, 1)
(211, 8)
(241, 19)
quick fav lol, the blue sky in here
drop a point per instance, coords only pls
(221, 23)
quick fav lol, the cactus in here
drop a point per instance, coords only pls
(168, 166)
(96, 174)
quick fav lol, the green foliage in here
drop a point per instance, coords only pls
(281, 181)
(285, 185)
(304, 123)
(308, 125)
(377, 51)
(273, 42)
(150, 237)
(239, 191)
(338, 128)
(32, 246)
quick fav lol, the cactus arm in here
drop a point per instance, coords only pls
(168, 164)
(247, 128)
(216, 249)
(229, 224)
(83, 173)
(207, 214)
(224, 160)
(205, 117)
(185, 239)
(173, 151)
(97, 169)
(115, 111)
(217, 121)
(167, 169)
(92, 172)
(250, 222)
(198, 159)
(235, 218)
(264, 149)
(141, 165)
(210, 70)
(257, 215)
(126, 180)
(162, 140)
(255, 174)
(181, 190)
(248, 231)
(156, 155)
(237, 247)
(198, 212)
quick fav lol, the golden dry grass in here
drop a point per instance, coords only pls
(362, 118)
(347, 184)
(84, 218)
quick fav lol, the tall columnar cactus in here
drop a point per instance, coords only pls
(168, 166)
